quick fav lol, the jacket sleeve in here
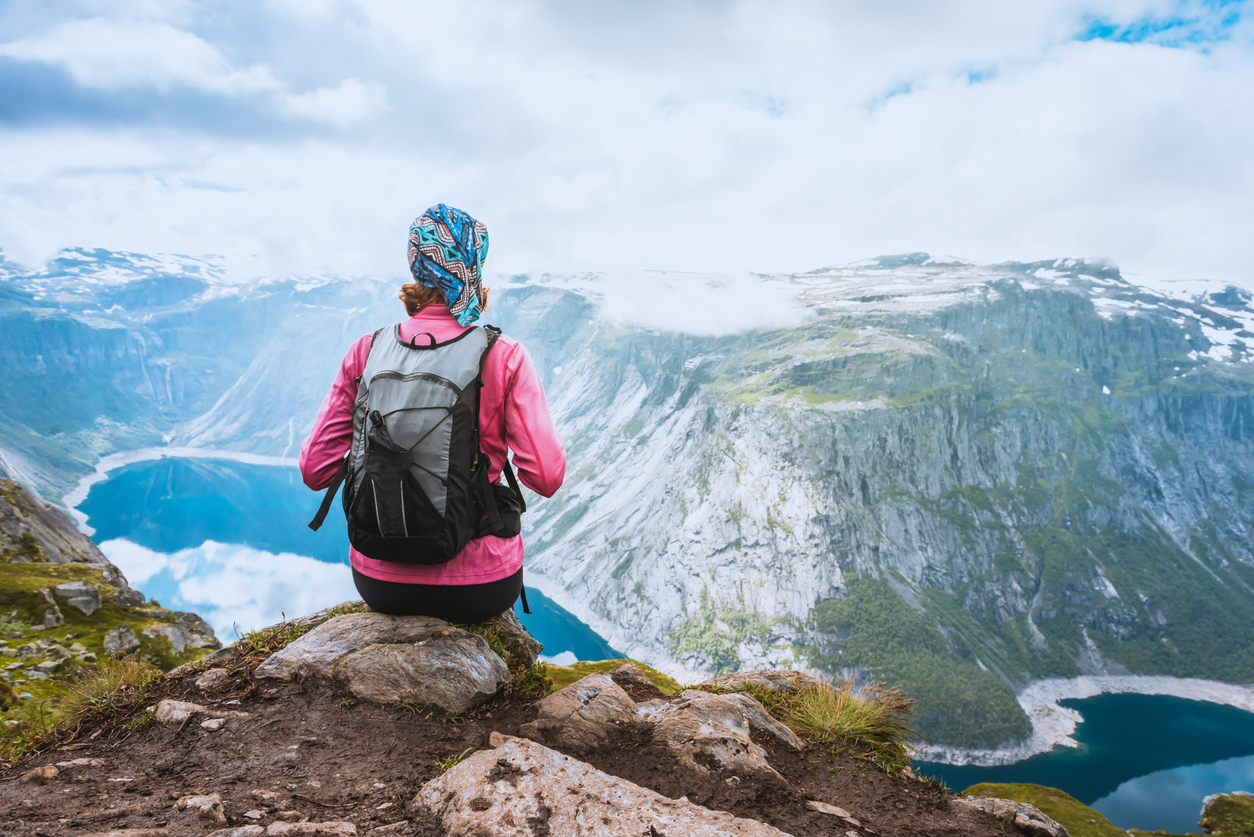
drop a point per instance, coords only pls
(539, 452)
(332, 433)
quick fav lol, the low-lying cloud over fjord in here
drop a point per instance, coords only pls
(608, 137)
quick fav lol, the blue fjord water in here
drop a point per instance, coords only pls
(1144, 761)
(230, 541)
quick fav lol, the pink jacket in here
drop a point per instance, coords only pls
(513, 413)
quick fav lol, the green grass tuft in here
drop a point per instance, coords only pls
(877, 718)
(563, 676)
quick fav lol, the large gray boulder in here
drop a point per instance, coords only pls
(121, 640)
(83, 597)
(1028, 818)
(177, 635)
(395, 659)
(583, 716)
(707, 731)
(523, 788)
(774, 680)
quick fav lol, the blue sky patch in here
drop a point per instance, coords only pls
(1194, 25)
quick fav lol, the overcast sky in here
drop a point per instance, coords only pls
(305, 135)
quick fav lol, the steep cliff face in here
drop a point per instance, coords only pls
(957, 477)
(966, 479)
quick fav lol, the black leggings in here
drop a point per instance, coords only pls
(450, 602)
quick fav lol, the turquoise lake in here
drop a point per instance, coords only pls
(1145, 761)
(230, 541)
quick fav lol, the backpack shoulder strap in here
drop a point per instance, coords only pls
(342, 471)
(494, 523)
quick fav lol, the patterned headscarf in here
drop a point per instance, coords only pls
(446, 251)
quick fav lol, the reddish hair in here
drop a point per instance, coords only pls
(416, 297)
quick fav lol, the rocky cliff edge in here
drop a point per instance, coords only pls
(65, 610)
(351, 722)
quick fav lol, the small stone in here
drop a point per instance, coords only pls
(78, 648)
(211, 679)
(80, 763)
(48, 666)
(254, 815)
(8, 652)
(824, 808)
(59, 652)
(42, 774)
(14, 666)
(242, 831)
(331, 829)
(178, 711)
(89, 657)
(207, 807)
(267, 796)
(52, 617)
(37, 675)
(290, 815)
(29, 651)
(213, 725)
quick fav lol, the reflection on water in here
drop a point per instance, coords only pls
(1124, 738)
(1153, 801)
(231, 542)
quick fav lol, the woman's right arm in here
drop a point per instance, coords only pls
(332, 433)
(539, 452)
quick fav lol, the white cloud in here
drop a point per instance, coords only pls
(689, 137)
(694, 303)
(350, 102)
(232, 587)
(107, 54)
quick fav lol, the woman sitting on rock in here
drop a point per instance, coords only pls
(401, 499)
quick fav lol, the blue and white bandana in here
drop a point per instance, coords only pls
(446, 251)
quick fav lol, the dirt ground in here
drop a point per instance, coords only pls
(305, 751)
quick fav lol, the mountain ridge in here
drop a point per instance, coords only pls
(980, 455)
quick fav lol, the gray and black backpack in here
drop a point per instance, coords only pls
(416, 487)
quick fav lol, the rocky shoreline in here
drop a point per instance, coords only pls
(1053, 725)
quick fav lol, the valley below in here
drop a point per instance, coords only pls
(962, 479)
